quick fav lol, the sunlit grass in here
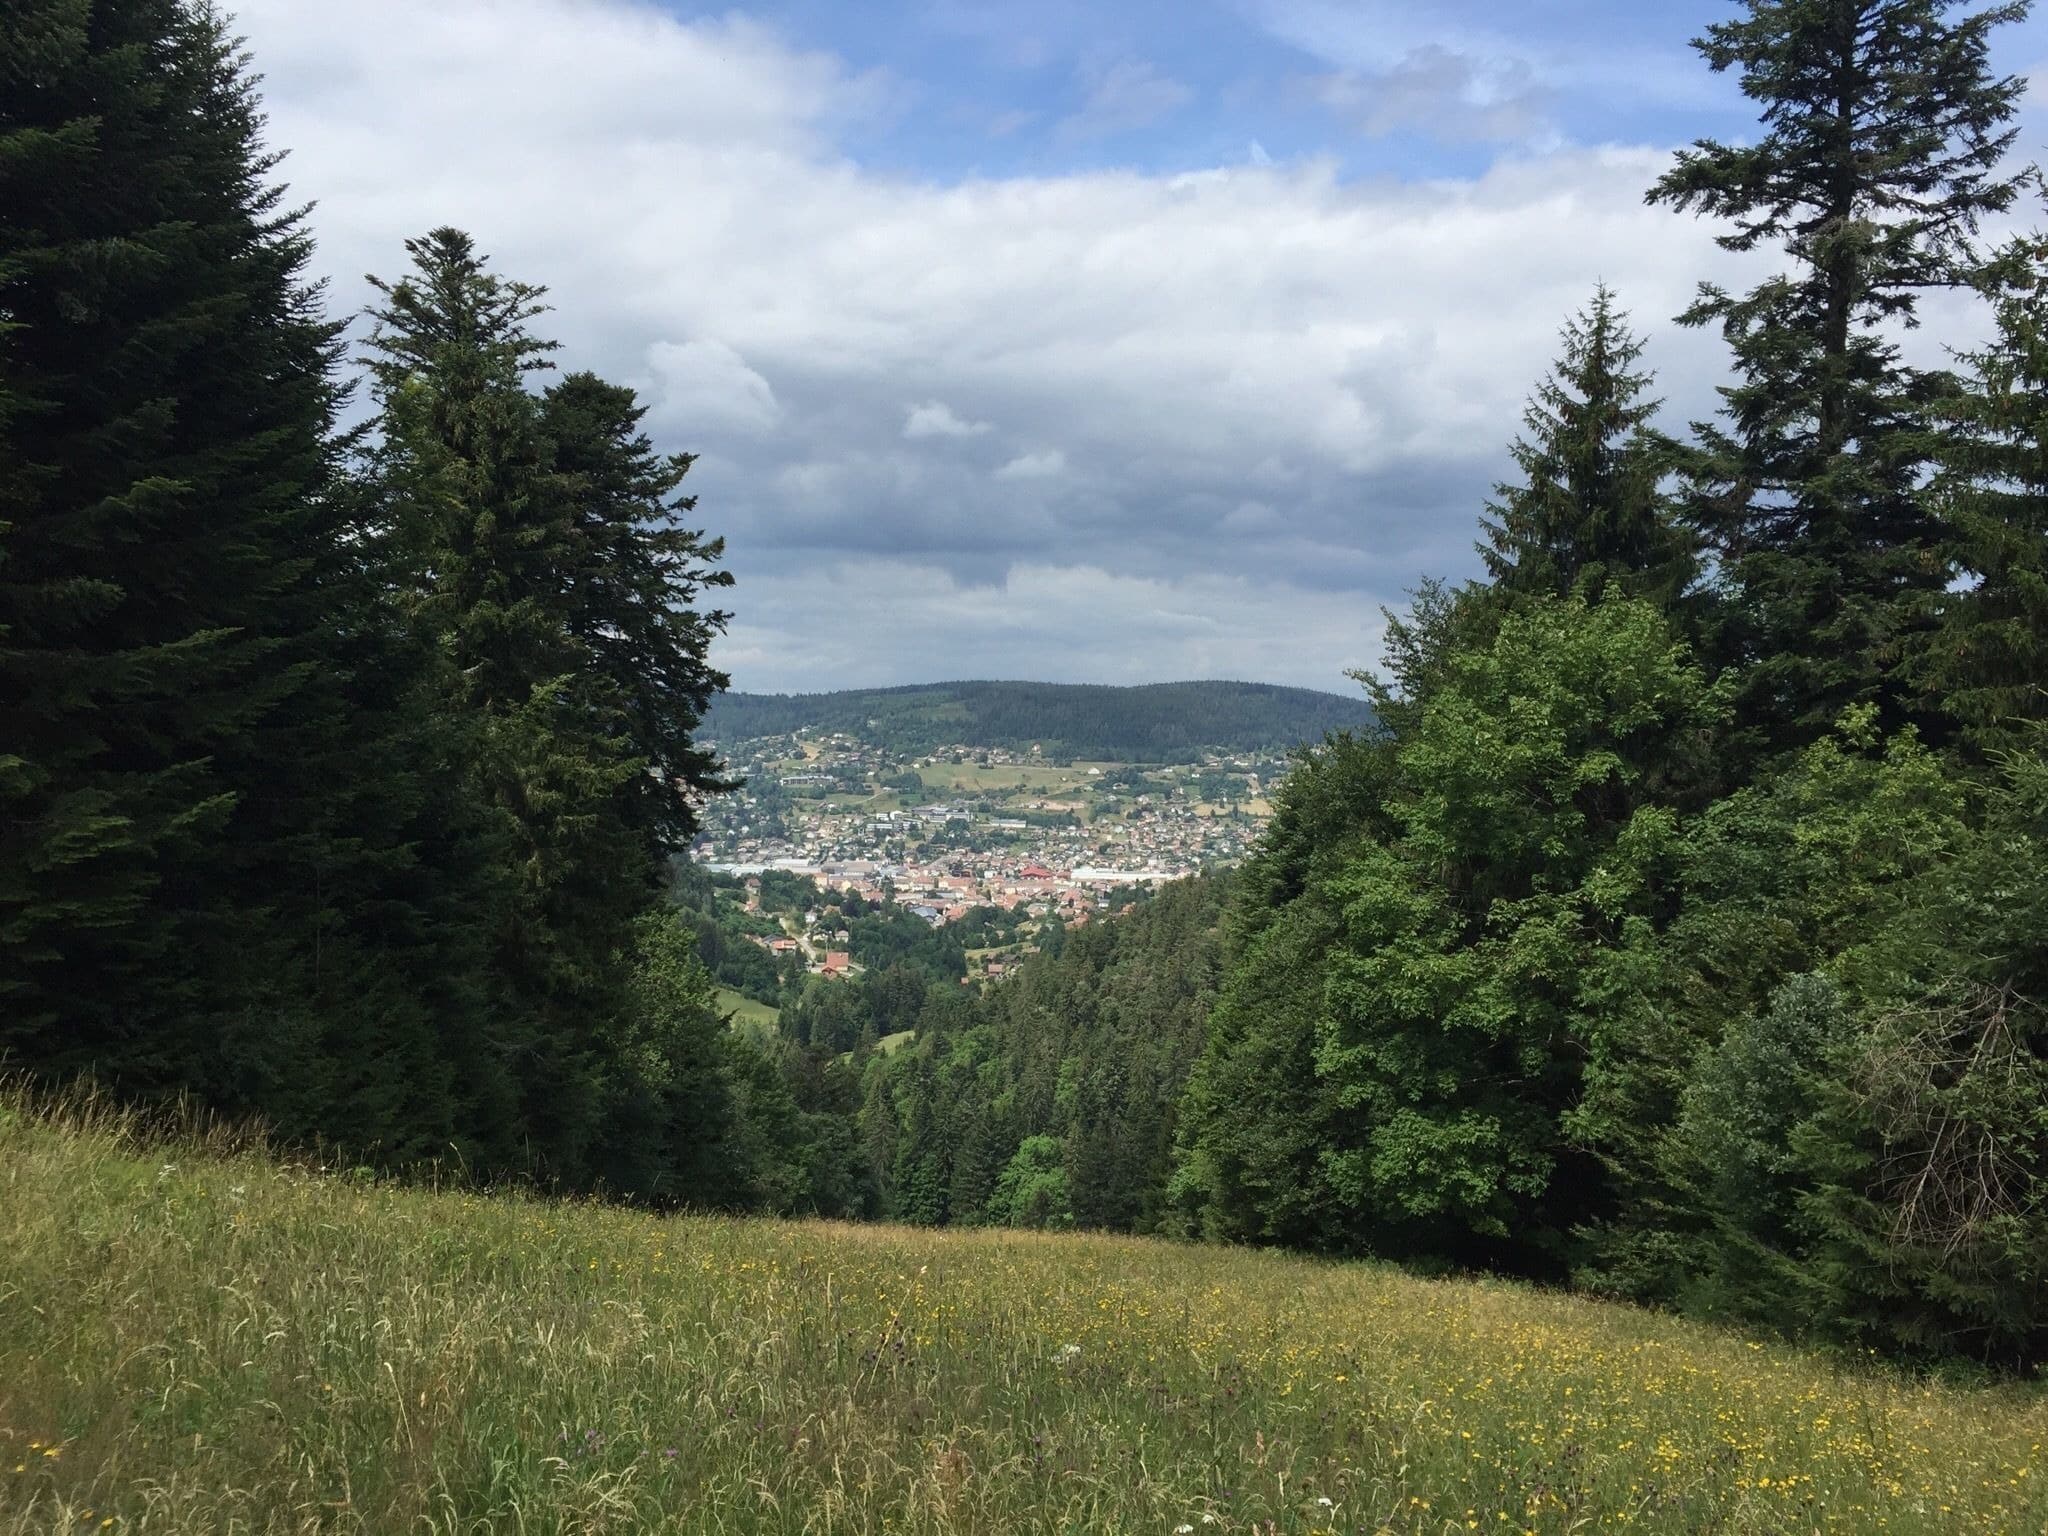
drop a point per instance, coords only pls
(210, 1341)
(747, 1010)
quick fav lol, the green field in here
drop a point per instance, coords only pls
(745, 1010)
(1006, 777)
(193, 1340)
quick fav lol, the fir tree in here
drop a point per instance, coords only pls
(1884, 145)
(975, 1160)
(1591, 510)
(921, 1174)
(1986, 659)
(540, 565)
(635, 614)
(183, 597)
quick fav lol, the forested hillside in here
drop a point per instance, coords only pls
(1156, 723)
(1052, 1101)
(1681, 935)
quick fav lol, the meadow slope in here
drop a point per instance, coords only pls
(205, 1340)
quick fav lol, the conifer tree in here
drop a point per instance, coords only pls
(1986, 659)
(921, 1174)
(542, 564)
(634, 611)
(1591, 510)
(1884, 145)
(178, 568)
(974, 1160)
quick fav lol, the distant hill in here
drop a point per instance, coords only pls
(1158, 722)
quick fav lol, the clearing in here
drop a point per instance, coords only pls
(204, 1340)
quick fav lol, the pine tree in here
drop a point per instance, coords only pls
(1591, 511)
(1884, 145)
(485, 532)
(179, 576)
(543, 561)
(976, 1159)
(635, 614)
(1986, 659)
(922, 1172)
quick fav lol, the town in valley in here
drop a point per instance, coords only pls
(963, 832)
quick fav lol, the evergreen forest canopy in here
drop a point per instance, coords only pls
(1673, 927)
(1154, 723)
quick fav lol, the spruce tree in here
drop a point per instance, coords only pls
(486, 530)
(635, 613)
(1986, 658)
(1591, 510)
(1884, 145)
(543, 561)
(179, 569)
(922, 1173)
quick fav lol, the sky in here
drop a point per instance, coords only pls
(1045, 339)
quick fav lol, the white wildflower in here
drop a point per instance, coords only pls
(1068, 1354)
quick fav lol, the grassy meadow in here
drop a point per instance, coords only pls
(1045, 779)
(203, 1339)
(746, 1010)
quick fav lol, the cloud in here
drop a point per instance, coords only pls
(1347, 358)
(1126, 95)
(1478, 71)
(706, 387)
(1040, 465)
(1450, 95)
(1041, 620)
(935, 418)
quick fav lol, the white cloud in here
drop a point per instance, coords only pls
(1350, 356)
(702, 387)
(935, 418)
(1440, 91)
(1041, 464)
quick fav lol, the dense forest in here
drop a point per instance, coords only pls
(1155, 723)
(1667, 920)
(341, 768)
(1680, 932)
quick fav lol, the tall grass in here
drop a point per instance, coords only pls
(207, 1340)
